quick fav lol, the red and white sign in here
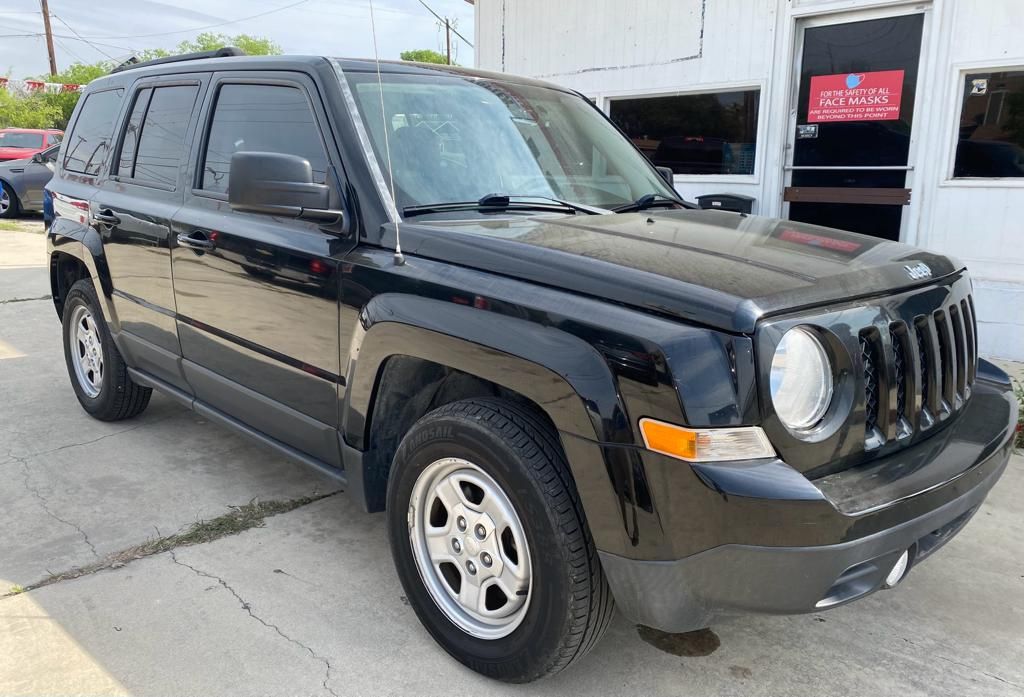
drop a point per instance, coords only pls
(819, 241)
(855, 97)
(25, 86)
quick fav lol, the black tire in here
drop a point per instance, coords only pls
(571, 605)
(14, 209)
(119, 397)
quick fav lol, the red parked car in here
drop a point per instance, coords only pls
(23, 143)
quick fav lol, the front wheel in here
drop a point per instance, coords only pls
(491, 543)
(98, 373)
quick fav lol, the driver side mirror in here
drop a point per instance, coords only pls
(278, 184)
(38, 158)
(668, 176)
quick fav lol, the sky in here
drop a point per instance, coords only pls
(88, 31)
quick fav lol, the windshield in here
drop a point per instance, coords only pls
(456, 139)
(14, 139)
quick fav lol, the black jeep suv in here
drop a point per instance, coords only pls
(471, 299)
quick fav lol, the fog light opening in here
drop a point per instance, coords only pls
(899, 570)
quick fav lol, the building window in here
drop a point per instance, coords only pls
(991, 126)
(712, 133)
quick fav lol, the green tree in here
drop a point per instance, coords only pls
(75, 74)
(54, 110)
(27, 111)
(209, 41)
(424, 55)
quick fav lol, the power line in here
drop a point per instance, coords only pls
(208, 26)
(98, 43)
(445, 21)
(59, 19)
(67, 48)
(38, 34)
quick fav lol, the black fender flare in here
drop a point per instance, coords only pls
(84, 244)
(560, 372)
(565, 376)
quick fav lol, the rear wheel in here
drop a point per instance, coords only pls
(98, 373)
(491, 543)
(9, 204)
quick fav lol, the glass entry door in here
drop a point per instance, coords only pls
(850, 147)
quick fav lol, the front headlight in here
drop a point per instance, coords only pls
(801, 379)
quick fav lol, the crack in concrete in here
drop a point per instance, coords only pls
(269, 625)
(103, 437)
(22, 460)
(964, 665)
(34, 490)
(25, 300)
(237, 520)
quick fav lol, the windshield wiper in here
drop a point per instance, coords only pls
(506, 202)
(647, 201)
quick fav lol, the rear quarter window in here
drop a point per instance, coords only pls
(90, 140)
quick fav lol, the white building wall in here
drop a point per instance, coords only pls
(979, 222)
(612, 48)
(609, 48)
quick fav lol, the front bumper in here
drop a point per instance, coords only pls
(794, 547)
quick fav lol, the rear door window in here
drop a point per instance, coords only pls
(260, 118)
(154, 151)
(91, 138)
(132, 130)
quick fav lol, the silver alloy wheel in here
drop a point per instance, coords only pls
(5, 199)
(470, 548)
(86, 351)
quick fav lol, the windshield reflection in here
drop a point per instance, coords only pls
(455, 139)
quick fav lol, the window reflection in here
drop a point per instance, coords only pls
(713, 133)
(991, 126)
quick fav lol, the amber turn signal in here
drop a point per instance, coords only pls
(706, 444)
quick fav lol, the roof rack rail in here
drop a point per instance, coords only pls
(134, 62)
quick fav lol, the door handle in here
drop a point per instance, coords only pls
(106, 217)
(194, 241)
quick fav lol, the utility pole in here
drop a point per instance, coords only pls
(447, 39)
(49, 38)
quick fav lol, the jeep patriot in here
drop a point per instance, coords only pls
(472, 300)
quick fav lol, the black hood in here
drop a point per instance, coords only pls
(724, 270)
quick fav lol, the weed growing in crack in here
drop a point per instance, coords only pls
(238, 519)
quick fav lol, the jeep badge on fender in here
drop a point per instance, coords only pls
(918, 271)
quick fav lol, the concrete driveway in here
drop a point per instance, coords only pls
(254, 577)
